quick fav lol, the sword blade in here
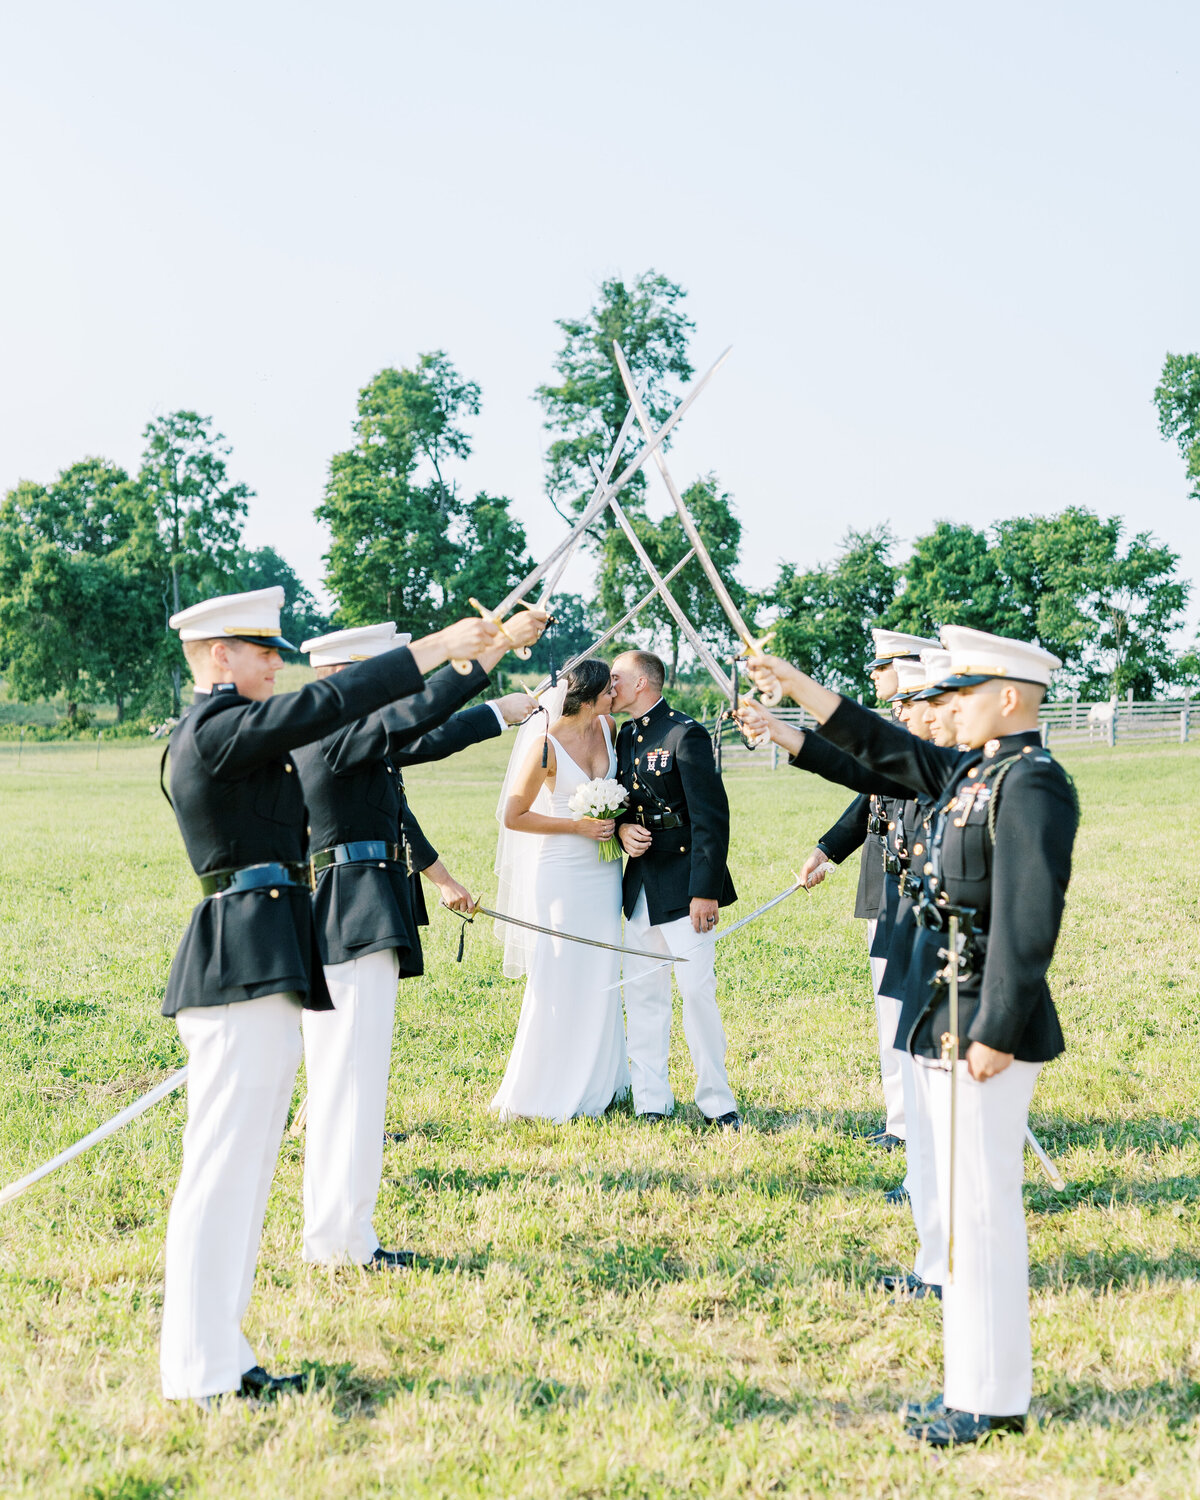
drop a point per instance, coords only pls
(570, 937)
(94, 1137)
(952, 944)
(663, 963)
(600, 496)
(724, 598)
(705, 656)
(603, 640)
(603, 476)
(1057, 1180)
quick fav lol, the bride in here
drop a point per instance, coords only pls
(569, 1054)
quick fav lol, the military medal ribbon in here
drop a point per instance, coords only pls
(600, 798)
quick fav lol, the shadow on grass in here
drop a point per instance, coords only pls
(354, 1393)
(1101, 1271)
(1176, 1400)
(1150, 1131)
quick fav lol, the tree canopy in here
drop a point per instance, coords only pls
(586, 408)
(1177, 397)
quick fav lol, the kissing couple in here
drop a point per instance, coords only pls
(574, 1053)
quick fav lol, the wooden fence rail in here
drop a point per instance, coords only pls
(1070, 721)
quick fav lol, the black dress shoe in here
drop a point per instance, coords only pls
(908, 1288)
(390, 1260)
(923, 1411)
(884, 1140)
(962, 1427)
(897, 1196)
(256, 1382)
(652, 1115)
(730, 1121)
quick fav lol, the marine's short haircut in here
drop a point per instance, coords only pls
(650, 667)
(196, 653)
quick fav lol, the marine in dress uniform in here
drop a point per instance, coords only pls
(864, 825)
(665, 762)
(249, 960)
(903, 833)
(366, 851)
(1003, 833)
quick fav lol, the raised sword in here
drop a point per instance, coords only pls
(599, 499)
(754, 647)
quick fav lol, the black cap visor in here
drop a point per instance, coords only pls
(886, 661)
(264, 640)
(972, 679)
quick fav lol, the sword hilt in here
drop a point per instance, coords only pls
(521, 652)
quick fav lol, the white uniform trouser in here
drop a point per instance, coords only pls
(648, 1015)
(242, 1062)
(921, 1179)
(988, 1351)
(347, 1057)
(891, 1062)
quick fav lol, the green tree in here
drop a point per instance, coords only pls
(301, 617)
(953, 578)
(1107, 612)
(1177, 397)
(197, 512)
(80, 614)
(826, 614)
(491, 554)
(403, 544)
(576, 626)
(587, 407)
(623, 580)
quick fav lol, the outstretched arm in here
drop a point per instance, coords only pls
(918, 765)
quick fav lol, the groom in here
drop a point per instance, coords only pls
(675, 831)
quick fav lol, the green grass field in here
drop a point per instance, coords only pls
(604, 1309)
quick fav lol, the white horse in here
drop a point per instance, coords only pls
(1100, 717)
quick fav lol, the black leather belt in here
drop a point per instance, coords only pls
(660, 820)
(362, 851)
(892, 863)
(269, 876)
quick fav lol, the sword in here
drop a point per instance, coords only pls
(1057, 1181)
(599, 500)
(668, 598)
(603, 640)
(93, 1138)
(724, 598)
(570, 937)
(603, 475)
(950, 1055)
(797, 885)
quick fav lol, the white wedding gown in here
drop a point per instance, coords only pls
(569, 1056)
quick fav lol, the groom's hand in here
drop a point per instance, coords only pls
(634, 838)
(705, 914)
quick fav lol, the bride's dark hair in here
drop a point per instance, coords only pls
(586, 680)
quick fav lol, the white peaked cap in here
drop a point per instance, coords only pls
(976, 656)
(246, 617)
(359, 643)
(911, 678)
(936, 666)
(890, 644)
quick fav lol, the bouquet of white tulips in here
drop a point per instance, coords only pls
(600, 798)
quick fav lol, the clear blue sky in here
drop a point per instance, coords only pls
(950, 243)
